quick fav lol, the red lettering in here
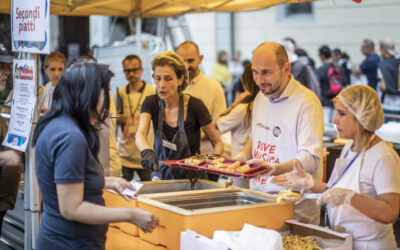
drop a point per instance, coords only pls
(263, 181)
(28, 14)
(259, 144)
(272, 149)
(264, 157)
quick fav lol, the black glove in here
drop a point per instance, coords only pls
(149, 160)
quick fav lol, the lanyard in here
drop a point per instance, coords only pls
(137, 105)
(344, 171)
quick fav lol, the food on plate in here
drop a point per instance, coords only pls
(204, 157)
(194, 162)
(233, 167)
(218, 160)
(297, 242)
(288, 194)
(243, 169)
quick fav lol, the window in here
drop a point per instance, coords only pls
(295, 13)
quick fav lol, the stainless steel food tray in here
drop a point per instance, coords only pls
(152, 187)
(193, 202)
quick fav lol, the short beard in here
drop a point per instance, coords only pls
(192, 73)
(134, 82)
(273, 91)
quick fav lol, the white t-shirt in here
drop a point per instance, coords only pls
(290, 127)
(236, 68)
(47, 98)
(240, 128)
(211, 93)
(379, 173)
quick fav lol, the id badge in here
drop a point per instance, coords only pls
(169, 145)
(131, 129)
(132, 125)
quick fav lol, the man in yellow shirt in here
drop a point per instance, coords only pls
(129, 99)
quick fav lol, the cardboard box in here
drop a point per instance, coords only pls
(331, 240)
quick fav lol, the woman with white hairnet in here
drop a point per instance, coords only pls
(362, 194)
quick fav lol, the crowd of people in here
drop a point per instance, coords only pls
(277, 120)
(380, 72)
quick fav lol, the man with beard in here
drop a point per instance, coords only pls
(129, 99)
(202, 87)
(287, 125)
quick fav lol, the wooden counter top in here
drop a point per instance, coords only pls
(118, 240)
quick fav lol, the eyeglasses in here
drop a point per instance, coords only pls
(134, 70)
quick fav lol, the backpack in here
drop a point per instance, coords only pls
(335, 80)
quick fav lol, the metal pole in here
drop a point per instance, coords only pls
(138, 29)
(32, 201)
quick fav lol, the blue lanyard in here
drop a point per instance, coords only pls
(344, 171)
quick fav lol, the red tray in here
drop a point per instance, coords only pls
(255, 170)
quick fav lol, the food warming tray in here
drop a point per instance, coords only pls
(113, 199)
(205, 211)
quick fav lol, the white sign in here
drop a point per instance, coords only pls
(23, 105)
(30, 26)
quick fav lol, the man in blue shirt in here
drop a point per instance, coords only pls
(369, 67)
(389, 68)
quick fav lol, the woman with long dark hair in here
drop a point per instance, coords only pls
(69, 175)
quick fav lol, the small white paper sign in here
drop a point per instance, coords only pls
(23, 105)
(132, 193)
(30, 22)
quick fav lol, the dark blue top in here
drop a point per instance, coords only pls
(62, 156)
(390, 72)
(369, 67)
(322, 73)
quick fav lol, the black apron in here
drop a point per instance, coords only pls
(165, 150)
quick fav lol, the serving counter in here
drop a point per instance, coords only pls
(118, 240)
(209, 207)
(113, 199)
(205, 211)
